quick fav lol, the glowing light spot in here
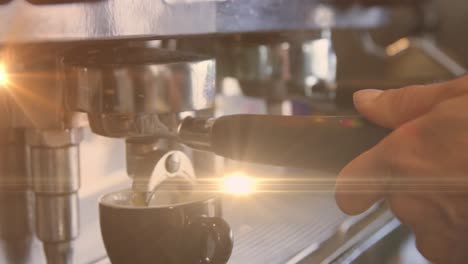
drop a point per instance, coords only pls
(3, 76)
(238, 183)
(398, 46)
(351, 123)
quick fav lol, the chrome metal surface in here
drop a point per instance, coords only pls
(22, 21)
(55, 170)
(154, 161)
(173, 163)
(15, 198)
(130, 125)
(54, 165)
(128, 80)
(433, 51)
(379, 235)
(160, 174)
(314, 66)
(57, 217)
(272, 65)
(142, 154)
(425, 44)
(387, 246)
(343, 240)
(125, 89)
(13, 174)
(58, 253)
(54, 138)
(259, 61)
(16, 228)
(275, 227)
(196, 132)
(57, 225)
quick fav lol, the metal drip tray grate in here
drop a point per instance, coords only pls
(273, 228)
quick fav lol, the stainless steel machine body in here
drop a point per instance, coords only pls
(80, 66)
(85, 20)
(131, 92)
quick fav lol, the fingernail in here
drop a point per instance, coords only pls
(366, 96)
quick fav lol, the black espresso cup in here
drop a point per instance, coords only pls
(188, 229)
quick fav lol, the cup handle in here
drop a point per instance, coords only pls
(220, 231)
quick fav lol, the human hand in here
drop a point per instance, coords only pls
(421, 169)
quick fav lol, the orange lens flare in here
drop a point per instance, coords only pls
(3, 76)
(238, 183)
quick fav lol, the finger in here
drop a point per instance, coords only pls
(427, 220)
(379, 171)
(416, 211)
(435, 247)
(361, 183)
(392, 108)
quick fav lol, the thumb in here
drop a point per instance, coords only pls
(392, 108)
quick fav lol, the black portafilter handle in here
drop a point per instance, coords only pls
(312, 142)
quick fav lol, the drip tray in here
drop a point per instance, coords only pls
(273, 228)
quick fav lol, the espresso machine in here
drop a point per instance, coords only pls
(101, 95)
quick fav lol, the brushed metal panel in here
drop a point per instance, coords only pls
(22, 21)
